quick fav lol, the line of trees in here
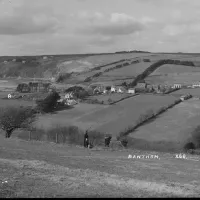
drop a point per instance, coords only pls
(156, 65)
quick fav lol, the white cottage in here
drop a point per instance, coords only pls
(69, 95)
(113, 89)
(131, 91)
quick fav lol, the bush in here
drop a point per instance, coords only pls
(12, 118)
(124, 141)
(189, 146)
(63, 77)
(49, 103)
(146, 60)
(88, 79)
(195, 134)
(96, 138)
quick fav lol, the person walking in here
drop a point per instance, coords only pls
(86, 139)
(107, 141)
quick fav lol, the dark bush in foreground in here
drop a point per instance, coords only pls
(188, 146)
(49, 103)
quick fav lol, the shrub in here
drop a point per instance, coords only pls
(189, 146)
(49, 103)
(196, 136)
(88, 79)
(63, 77)
(12, 118)
(146, 60)
(96, 138)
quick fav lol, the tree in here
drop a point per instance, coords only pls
(12, 118)
(49, 103)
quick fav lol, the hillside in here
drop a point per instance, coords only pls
(35, 169)
(48, 66)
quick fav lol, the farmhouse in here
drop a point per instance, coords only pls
(141, 85)
(69, 95)
(39, 87)
(5, 62)
(120, 89)
(33, 87)
(23, 61)
(113, 89)
(131, 91)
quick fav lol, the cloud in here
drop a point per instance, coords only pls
(102, 41)
(116, 24)
(27, 19)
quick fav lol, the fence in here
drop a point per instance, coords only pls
(63, 135)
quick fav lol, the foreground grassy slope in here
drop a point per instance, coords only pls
(34, 169)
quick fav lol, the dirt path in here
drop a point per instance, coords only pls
(36, 169)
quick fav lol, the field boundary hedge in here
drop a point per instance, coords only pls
(156, 65)
(149, 115)
(124, 98)
(129, 62)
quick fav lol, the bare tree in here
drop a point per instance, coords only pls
(12, 118)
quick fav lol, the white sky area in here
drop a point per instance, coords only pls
(33, 27)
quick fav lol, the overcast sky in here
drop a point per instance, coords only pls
(87, 26)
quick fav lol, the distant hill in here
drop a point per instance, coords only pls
(48, 66)
(133, 51)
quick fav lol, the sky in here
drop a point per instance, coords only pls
(34, 27)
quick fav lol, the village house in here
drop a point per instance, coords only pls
(141, 85)
(45, 57)
(176, 86)
(113, 89)
(131, 91)
(39, 87)
(69, 95)
(5, 62)
(23, 61)
(14, 60)
(120, 89)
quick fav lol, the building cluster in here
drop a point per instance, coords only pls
(34, 87)
(112, 89)
(68, 99)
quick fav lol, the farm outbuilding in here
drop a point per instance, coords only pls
(177, 86)
(131, 91)
(196, 85)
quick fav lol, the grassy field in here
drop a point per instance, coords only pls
(39, 169)
(111, 119)
(194, 92)
(113, 97)
(128, 71)
(183, 78)
(13, 102)
(177, 69)
(68, 117)
(174, 126)
(118, 117)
